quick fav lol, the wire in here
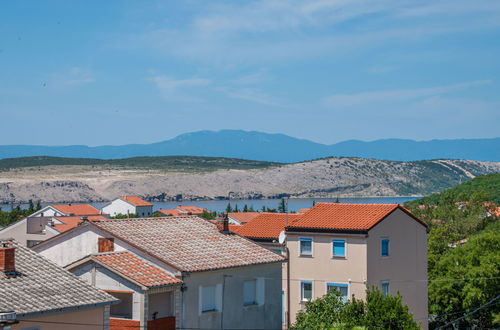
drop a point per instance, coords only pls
(470, 313)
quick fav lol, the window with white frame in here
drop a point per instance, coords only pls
(384, 247)
(250, 293)
(339, 247)
(340, 287)
(305, 246)
(305, 290)
(385, 288)
(208, 302)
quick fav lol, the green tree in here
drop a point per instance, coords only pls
(245, 208)
(282, 206)
(376, 312)
(228, 207)
(236, 208)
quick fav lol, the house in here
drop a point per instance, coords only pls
(352, 247)
(182, 272)
(241, 218)
(41, 295)
(48, 222)
(127, 205)
(182, 210)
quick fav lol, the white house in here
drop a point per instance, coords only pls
(126, 205)
(48, 222)
(182, 272)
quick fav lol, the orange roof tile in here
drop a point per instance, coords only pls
(76, 209)
(265, 225)
(173, 212)
(136, 201)
(191, 209)
(303, 210)
(136, 269)
(346, 216)
(71, 222)
(243, 217)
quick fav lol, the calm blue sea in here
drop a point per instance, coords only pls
(294, 204)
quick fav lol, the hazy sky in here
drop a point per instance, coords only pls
(117, 72)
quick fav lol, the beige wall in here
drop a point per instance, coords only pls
(406, 266)
(88, 319)
(322, 268)
(235, 315)
(18, 231)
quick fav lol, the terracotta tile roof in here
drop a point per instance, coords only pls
(345, 216)
(265, 225)
(243, 217)
(191, 209)
(42, 286)
(76, 209)
(188, 243)
(173, 212)
(136, 269)
(71, 222)
(303, 210)
(136, 201)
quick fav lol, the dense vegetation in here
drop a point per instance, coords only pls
(167, 163)
(377, 312)
(463, 252)
(8, 217)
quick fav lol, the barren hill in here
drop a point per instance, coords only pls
(329, 177)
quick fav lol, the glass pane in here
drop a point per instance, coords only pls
(305, 247)
(385, 247)
(339, 248)
(306, 291)
(249, 293)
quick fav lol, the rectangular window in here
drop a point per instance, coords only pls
(124, 308)
(342, 288)
(208, 303)
(385, 288)
(250, 293)
(305, 246)
(338, 248)
(306, 290)
(384, 247)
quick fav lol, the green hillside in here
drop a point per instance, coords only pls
(168, 163)
(486, 185)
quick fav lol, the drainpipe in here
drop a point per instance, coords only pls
(287, 287)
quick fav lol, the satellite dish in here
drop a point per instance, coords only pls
(282, 237)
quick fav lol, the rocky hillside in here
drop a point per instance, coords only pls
(329, 177)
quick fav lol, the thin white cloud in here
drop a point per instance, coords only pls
(252, 95)
(395, 96)
(74, 76)
(170, 87)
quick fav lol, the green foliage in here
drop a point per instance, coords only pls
(282, 207)
(7, 218)
(376, 312)
(229, 208)
(168, 163)
(125, 216)
(208, 215)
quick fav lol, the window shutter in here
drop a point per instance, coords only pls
(105, 244)
(261, 291)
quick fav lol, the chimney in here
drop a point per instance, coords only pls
(223, 225)
(7, 258)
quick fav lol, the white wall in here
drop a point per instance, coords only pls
(119, 206)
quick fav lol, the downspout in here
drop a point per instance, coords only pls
(287, 288)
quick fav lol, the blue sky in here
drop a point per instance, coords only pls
(118, 72)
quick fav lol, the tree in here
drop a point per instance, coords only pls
(376, 312)
(236, 208)
(38, 206)
(31, 207)
(228, 207)
(282, 206)
(245, 208)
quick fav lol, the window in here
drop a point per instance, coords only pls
(338, 248)
(342, 288)
(32, 243)
(306, 290)
(208, 299)
(385, 288)
(305, 246)
(124, 308)
(384, 247)
(250, 293)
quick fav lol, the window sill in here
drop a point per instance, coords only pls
(250, 305)
(305, 255)
(210, 311)
(339, 257)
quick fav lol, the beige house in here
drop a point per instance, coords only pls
(182, 272)
(352, 247)
(42, 295)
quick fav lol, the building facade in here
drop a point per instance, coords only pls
(128, 205)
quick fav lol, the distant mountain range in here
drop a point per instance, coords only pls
(272, 147)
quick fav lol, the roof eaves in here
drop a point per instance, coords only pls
(70, 308)
(325, 230)
(238, 266)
